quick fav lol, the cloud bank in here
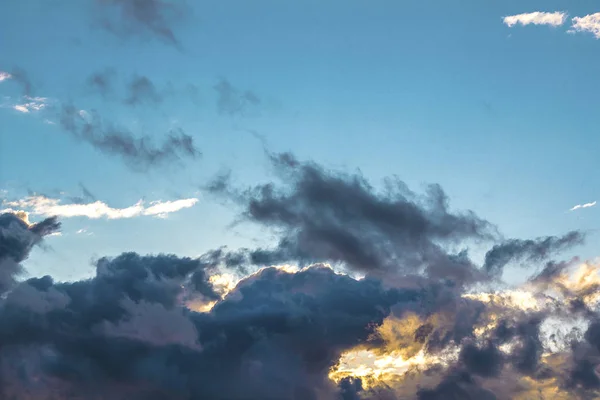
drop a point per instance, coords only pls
(413, 327)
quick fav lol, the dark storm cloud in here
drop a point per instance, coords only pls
(141, 90)
(274, 337)
(157, 18)
(17, 238)
(457, 386)
(324, 215)
(233, 101)
(134, 330)
(139, 153)
(529, 250)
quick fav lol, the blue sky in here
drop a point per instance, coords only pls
(504, 118)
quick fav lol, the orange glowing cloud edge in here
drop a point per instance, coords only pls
(400, 358)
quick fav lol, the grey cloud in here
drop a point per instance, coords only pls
(129, 332)
(20, 76)
(157, 18)
(325, 215)
(139, 153)
(86, 196)
(17, 238)
(233, 101)
(529, 250)
(102, 82)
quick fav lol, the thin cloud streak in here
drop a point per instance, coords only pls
(536, 18)
(586, 205)
(44, 206)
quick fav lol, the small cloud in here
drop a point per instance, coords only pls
(589, 23)
(31, 104)
(42, 205)
(102, 81)
(536, 18)
(233, 101)
(586, 205)
(4, 76)
(141, 90)
(84, 231)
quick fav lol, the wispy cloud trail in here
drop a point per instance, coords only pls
(586, 205)
(44, 206)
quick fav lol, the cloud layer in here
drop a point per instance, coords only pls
(413, 327)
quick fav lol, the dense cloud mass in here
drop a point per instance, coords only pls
(169, 327)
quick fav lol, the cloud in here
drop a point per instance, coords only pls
(232, 101)
(31, 104)
(536, 18)
(139, 153)
(588, 23)
(102, 82)
(586, 205)
(141, 90)
(529, 251)
(326, 215)
(4, 76)
(44, 206)
(156, 18)
(416, 325)
(20, 77)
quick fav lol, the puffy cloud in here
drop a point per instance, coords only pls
(536, 18)
(44, 206)
(588, 23)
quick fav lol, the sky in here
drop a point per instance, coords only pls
(163, 127)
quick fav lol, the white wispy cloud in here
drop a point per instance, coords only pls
(4, 76)
(589, 23)
(536, 18)
(44, 206)
(31, 104)
(586, 205)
